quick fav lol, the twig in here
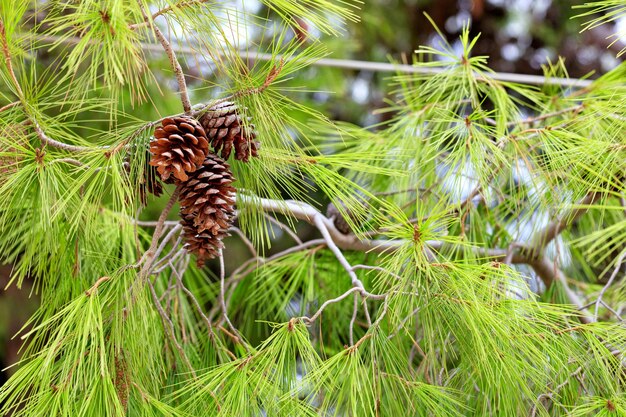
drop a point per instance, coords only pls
(9, 106)
(618, 265)
(245, 240)
(148, 257)
(530, 120)
(194, 301)
(167, 223)
(223, 303)
(46, 140)
(549, 273)
(22, 99)
(403, 322)
(377, 268)
(364, 65)
(549, 396)
(612, 310)
(310, 320)
(166, 240)
(95, 286)
(178, 70)
(355, 309)
(168, 9)
(283, 227)
(168, 326)
(552, 230)
(71, 161)
(171, 256)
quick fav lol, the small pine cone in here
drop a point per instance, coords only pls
(207, 209)
(225, 128)
(179, 147)
(148, 181)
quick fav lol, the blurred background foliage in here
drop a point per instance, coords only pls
(518, 36)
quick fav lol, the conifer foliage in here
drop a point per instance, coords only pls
(471, 261)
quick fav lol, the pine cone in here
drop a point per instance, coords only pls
(147, 181)
(204, 245)
(207, 210)
(179, 147)
(225, 129)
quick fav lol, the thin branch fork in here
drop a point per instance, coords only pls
(168, 326)
(618, 265)
(149, 256)
(335, 240)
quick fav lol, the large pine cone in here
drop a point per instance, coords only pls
(207, 207)
(179, 147)
(225, 128)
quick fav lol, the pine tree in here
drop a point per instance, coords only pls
(478, 269)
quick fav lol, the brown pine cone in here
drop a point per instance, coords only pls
(225, 129)
(207, 207)
(179, 147)
(204, 245)
(209, 196)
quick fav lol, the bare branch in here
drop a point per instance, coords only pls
(245, 240)
(310, 320)
(95, 286)
(148, 257)
(168, 326)
(222, 303)
(283, 227)
(618, 265)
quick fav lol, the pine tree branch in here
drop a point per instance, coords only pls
(222, 303)
(165, 10)
(178, 70)
(546, 235)
(618, 265)
(148, 257)
(283, 227)
(335, 240)
(318, 221)
(360, 65)
(318, 313)
(4, 44)
(9, 106)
